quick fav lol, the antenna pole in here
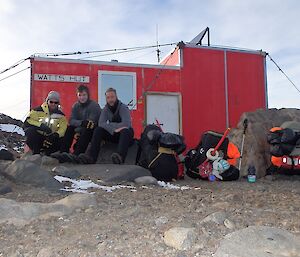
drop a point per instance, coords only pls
(157, 48)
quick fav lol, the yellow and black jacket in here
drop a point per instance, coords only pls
(56, 121)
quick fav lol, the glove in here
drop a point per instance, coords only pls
(84, 123)
(53, 137)
(88, 124)
(45, 128)
(47, 144)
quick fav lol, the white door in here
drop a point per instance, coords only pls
(166, 109)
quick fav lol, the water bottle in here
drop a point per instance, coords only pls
(211, 177)
(251, 174)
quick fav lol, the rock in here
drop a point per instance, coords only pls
(269, 178)
(48, 252)
(22, 213)
(49, 161)
(4, 189)
(229, 224)
(146, 180)
(66, 172)
(216, 217)
(161, 220)
(35, 158)
(256, 147)
(180, 238)
(6, 155)
(29, 173)
(260, 241)
(120, 173)
(108, 148)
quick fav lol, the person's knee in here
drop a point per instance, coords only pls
(31, 131)
(125, 131)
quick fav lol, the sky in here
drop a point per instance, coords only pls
(34, 26)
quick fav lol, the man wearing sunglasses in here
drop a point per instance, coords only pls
(45, 126)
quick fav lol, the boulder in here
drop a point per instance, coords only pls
(27, 172)
(22, 213)
(146, 180)
(66, 172)
(256, 147)
(180, 238)
(108, 148)
(259, 241)
(49, 161)
(35, 158)
(216, 217)
(4, 189)
(6, 155)
(113, 172)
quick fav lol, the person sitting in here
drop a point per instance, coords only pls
(45, 126)
(114, 126)
(84, 118)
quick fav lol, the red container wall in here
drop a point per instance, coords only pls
(201, 80)
(246, 84)
(203, 93)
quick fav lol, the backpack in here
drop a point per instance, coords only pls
(197, 155)
(157, 152)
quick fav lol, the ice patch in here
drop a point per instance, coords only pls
(3, 147)
(12, 128)
(168, 185)
(81, 186)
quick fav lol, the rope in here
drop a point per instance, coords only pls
(283, 73)
(103, 51)
(15, 73)
(14, 65)
(153, 80)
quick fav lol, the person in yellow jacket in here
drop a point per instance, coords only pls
(45, 126)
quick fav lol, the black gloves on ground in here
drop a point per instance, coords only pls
(88, 124)
(49, 141)
(47, 144)
(45, 128)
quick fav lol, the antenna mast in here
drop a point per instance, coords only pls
(157, 48)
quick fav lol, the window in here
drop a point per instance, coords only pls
(123, 82)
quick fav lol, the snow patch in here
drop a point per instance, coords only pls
(12, 128)
(3, 147)
(168, 185)
(81, 186)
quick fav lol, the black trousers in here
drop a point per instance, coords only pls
(81, 144)
(124, 139)
(35, 142)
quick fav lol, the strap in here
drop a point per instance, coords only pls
(157, 156)
(165, 150)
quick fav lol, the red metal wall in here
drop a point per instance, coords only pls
(203, 92)
(246, 85)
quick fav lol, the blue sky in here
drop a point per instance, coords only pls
(32, 26)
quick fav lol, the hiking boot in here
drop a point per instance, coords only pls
(116, 158)
(59, 156)
(74, 158)
(85, 159)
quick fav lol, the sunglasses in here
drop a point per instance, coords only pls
(52, 102)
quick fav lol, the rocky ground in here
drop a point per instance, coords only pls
(134, 222)
(187, 218)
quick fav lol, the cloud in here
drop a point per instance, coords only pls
(56, 26)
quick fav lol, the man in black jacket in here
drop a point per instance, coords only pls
(84, 117)
(114, 126)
